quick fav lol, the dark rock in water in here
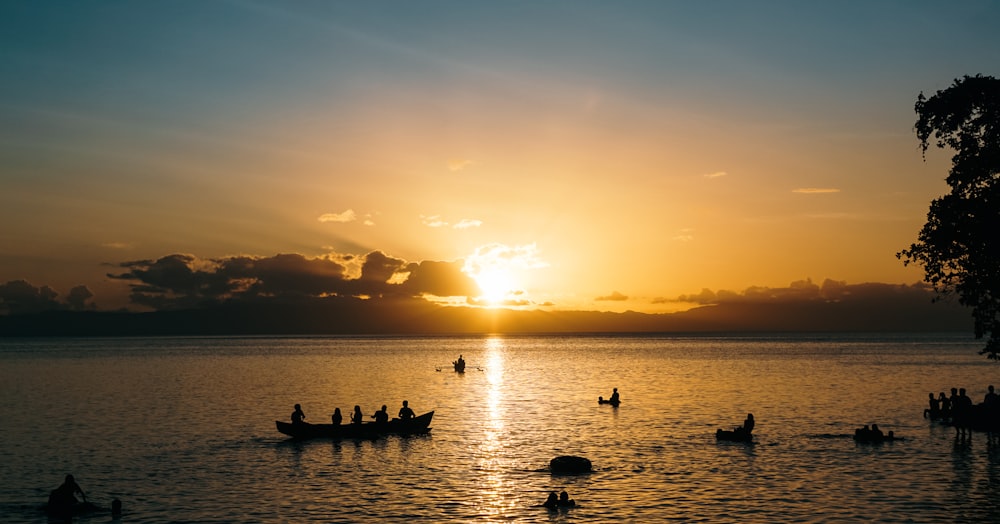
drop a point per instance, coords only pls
(570, 464)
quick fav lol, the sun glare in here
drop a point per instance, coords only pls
(496, 285)
(495, 269)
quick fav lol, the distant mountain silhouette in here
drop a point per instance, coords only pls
(345, 316)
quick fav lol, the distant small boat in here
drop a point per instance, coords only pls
(733, 436)
(368, 430)
(459, 366)
(602, 400)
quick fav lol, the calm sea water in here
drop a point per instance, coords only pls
(182, 429)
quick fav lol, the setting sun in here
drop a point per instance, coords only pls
(496, 268)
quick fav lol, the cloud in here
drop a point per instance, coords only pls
(117, 245)
(466, 223)
(346, 216)
(185, 281)
(20, 297)
(436, 221)
(614, 297)
(684, 235)
(815, 190)
(458, 165)
(717, 174)
(433, 221)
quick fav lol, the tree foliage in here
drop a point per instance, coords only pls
(959, 246)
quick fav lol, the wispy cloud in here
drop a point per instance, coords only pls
(437, 221)
(117, 245)
(684, 235)
(716, 174)
(346, 216)
(458, 165)
(815, 190)
(433, 221)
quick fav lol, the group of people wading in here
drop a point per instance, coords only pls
(357, 417)
(960, 411)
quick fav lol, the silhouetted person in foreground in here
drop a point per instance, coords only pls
(553, 501)
(116, 508)
(748, 424)
(614, 399)
(405, 413)
(337, 418)
(357, 417)
(380, 416)
(565, 501)
(62, 500)
(298, 416)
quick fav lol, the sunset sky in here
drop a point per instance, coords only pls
(590, 155)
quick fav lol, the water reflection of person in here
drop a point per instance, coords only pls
(405, 413)
(357, 417)
(298, 415)
(337, 418)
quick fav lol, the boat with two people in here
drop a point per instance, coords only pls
(613, 400)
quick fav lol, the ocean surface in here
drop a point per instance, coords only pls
(182, 429)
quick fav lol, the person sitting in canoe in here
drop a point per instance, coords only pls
(553, 501)
(748, 424)
(614, 400)
(337, 418)
(298, 415)
(405, 413)
(357, 417)
(380, 416)
(565, 501)
(62, 500)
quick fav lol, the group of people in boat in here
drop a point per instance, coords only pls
(357, 417)
(959, 410)
(559, 501)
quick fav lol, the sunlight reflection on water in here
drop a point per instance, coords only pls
(182, 429)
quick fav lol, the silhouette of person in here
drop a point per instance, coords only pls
(565, 501)
(357, 417)
(933, 410)
(63, 498)
(298, 415)
(748, 424)
(991, 397)
(552, 501)
(405, 413)
(380, 416)
(614, 399)
(337, 418)
(116, 508)
(945, 405)
(876, 433)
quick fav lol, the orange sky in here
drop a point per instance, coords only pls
(595, 156)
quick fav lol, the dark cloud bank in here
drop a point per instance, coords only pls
(289, 294)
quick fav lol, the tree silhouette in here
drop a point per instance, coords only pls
(959, 246)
